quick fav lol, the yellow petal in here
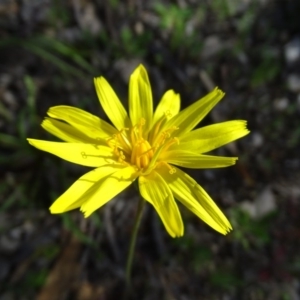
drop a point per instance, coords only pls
(111, 103)
(71, 198)
(155, 190)
(85, 122)
(104, 190)
(194, 160)
(188, 118)
(66, 132)
(213, 136)
(169, 104)
(191, 195)
(83, 154)
(140, 98)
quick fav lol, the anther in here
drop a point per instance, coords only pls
(142, 122)
(148, 151)
(172, 171)
(165, 135)
(121, 156)
(168, 114)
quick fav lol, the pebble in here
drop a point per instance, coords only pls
(249, 208)
(8, 245)
(89, 20)
(209, 175)
(211, 46)
(292, 51)
(265, 203)
(293, 83)
(139, 28)
(16, 232)
(10, 99)
(281, 104)
(262, 205)
(257, 139)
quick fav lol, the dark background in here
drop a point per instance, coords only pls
(49, 53)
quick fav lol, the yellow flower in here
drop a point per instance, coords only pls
(144, 145)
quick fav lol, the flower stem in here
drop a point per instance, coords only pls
(136, 226)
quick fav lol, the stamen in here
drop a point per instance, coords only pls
(116, 151)
(142, 154)
(136, 132)
(158, 126)
(141, 124)
(132, 135)
(161, 139)
(125, 144)
(137, 150)
(150, 150)
(109, 142)
(172, 170)
(164, 135)
(171, 142)
(118, 142)
(134, 154)
(121, 156)
(143, 161)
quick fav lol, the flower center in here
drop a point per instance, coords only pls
(141, 154)
(133, 147)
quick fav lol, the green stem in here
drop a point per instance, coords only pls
(136, 226)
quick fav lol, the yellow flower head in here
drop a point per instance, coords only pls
(143, 145)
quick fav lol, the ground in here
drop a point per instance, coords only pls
(49, 53)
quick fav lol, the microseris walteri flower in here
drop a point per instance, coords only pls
(143, 145)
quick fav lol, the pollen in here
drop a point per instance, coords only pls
(133, 147)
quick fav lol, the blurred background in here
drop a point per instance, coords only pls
(49, 53)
